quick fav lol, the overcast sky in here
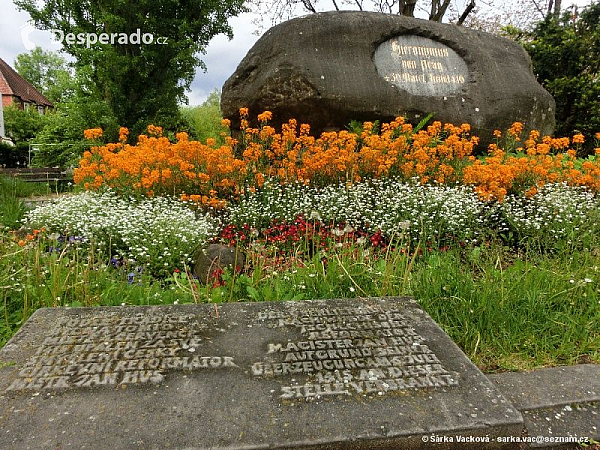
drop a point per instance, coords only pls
(221, 59)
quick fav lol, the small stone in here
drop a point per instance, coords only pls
(215, 258)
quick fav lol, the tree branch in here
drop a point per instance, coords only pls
(439, 12)
(408, 9)
(336, 6)
(309, 6)
(466, 12)
(538, 8)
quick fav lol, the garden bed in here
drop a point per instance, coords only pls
(507, 264)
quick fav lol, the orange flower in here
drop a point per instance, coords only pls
(265, 116)
(123, 134)
(515, 130)
(531, 192)
(93, 133)
(153, 130)
(578, 139)
(226, 123)
(441, 152)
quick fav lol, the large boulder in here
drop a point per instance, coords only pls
(328, 69)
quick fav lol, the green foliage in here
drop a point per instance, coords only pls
(47, 71)
(49, 272)
(22, 124)
(12, 209)
(157, 234)
(141, 83)
(513, 312)
(59, 133)
(12, 192)
(506, 308)
(21, 128)
(205, 120)
(13, 155)
(565, 53)
(61, 139)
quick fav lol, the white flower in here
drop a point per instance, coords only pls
(404, 225)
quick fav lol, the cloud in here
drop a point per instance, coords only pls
(221, 58)
(14, 24)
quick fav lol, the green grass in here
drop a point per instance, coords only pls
(12, 193)
(510, 313)
(506, 311)
(35, 275)
(12, 208)
(21, 189)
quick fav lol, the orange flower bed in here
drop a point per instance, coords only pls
(212, 174)
(529, 167)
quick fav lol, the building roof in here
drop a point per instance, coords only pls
(20, 87)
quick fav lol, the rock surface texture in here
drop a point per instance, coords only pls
(327, 69)
(214, 259)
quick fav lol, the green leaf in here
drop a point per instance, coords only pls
(253, 294)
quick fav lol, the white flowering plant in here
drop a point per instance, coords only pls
(437, 215)
(158, 234)
(388, 206)
(558, 216)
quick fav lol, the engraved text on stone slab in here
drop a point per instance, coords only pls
(421, 66)
(346, 351)
(113, 350)
(311, 351)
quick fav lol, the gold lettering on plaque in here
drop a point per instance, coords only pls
(421, 65)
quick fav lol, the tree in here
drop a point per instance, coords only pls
(549, 8)
(61, 136)
(565, 53)
(205, 120)
(21, 127)
(513, 18)
(279, 10)
(145, 53)
(47, 71)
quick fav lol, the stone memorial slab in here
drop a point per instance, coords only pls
(359, 373)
